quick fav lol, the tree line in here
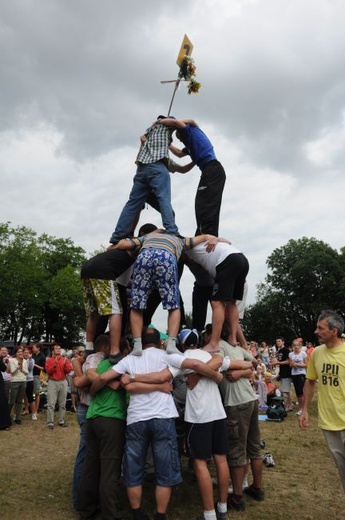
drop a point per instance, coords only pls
(41, 297)
(304, 277)
(40, 289)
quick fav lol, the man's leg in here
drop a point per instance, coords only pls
(160, 182)
(115, 328)
(79, 461)
(204, 483)
(209, 198)
(52, 395)
(62, 396)
(111, 435)
(257, 465)
(136, 319)
(163, 495)
(218, 316)
(231, 315)
(223, 476)
(174, 317)
(134, 204)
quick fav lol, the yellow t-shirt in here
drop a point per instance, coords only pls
(328, 366)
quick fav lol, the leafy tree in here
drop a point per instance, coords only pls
(305, 276)
(40, 290)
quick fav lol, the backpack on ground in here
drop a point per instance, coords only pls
(276, 410)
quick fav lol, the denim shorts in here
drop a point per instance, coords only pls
(161, 435)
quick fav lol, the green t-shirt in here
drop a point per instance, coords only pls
(108, 402)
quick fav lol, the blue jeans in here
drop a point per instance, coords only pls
(160, 434)
(153, 176)
(79, 461)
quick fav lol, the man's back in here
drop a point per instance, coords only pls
(143, 407)
(203, 403)
(240, 391)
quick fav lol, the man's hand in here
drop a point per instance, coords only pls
(114, 385)
(192, 380)
(166, 388)
(303, 421)
(233, 375)
(125, 379)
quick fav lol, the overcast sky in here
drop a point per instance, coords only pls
(80, 82)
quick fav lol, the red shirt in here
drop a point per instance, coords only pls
(58, 367)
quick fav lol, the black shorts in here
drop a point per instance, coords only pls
(207, 439)
(298, 383)
(230, 278)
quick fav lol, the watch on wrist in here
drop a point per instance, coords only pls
(132, 378)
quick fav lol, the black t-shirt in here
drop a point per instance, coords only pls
(40, 360)
(108, 265)
(283, 355)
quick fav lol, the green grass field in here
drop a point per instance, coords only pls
(36, 475)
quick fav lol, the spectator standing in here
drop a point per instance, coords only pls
(29, 391)
(283, 361)
(18, 368)
(298, 363)
(40, 361)
(5, 417)
(5, 375)
(57, 368)
(327, 365)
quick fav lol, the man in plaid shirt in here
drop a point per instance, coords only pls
(152, 175)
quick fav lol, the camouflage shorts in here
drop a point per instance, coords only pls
(101, 296)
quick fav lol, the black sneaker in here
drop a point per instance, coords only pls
(237, 504)
(257, 494)
(115, 358)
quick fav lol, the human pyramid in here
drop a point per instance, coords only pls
(159, 379)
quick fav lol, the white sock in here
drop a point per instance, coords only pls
(171, 346)
(137, 347)
(89, 345)
(210, 515)
(222, 508)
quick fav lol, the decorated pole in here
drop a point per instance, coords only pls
(187, 70)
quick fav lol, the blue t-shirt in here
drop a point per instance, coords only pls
(197, 145)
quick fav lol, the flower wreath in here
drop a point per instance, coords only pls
(188, 73)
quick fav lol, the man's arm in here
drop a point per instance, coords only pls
(235, 375)
(308, 392)
(238, 364)
(103, 379)
(179, 168)
(146, 388)
(177, 152)
(190, 122)
(209, 369)
(154, 377)
(126, 244)
(168, 121)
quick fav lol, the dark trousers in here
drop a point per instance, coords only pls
(200, 298)
(208, 198)
(100, 482)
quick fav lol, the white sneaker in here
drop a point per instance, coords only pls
(299, 412)
(34, 417)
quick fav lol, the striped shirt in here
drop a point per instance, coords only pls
(156, 146)
(172, 243)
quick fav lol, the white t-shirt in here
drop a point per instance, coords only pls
(298, 358)
(153, 405)
(209, 261)
(204, 403)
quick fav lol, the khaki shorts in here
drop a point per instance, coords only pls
(242, 424)
(101, 296)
